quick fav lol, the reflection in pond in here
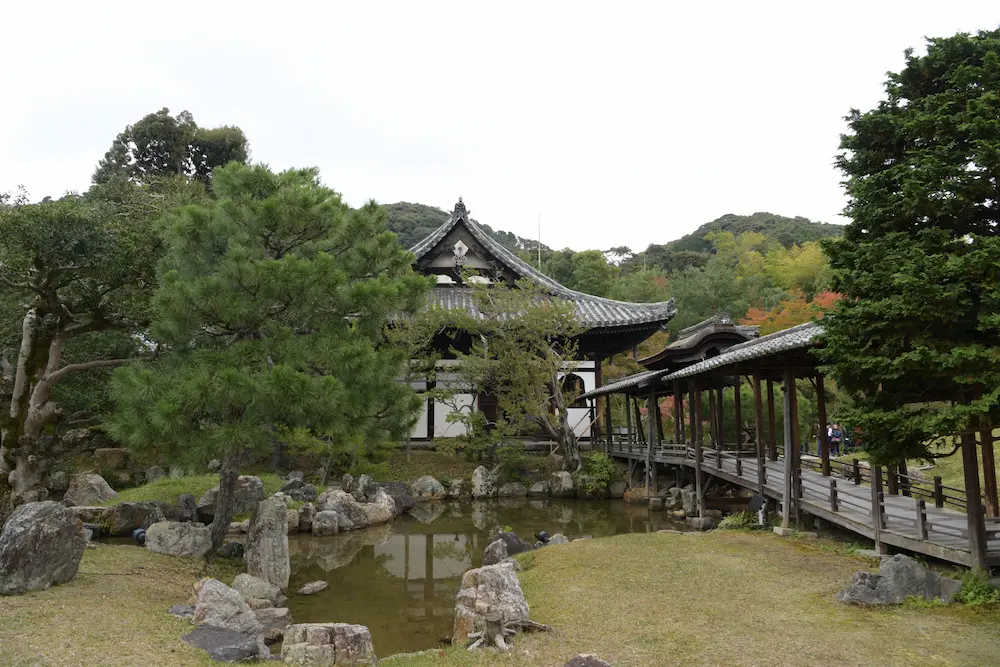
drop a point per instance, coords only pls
(400, 579)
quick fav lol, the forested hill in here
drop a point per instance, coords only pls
(786, 231)
(413, 222)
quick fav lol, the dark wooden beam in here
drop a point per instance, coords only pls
(974, 502)
(824, 444)
(758, 405)
(738, 413)
(989, 472)
(628, 420)
(696, 426)
(772, 438)
(678, 414)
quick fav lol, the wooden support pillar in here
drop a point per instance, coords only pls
(678, 414)
(638, 422)
(824, 441)
(659, 423)
(696, 427)
(758, 406)
(712, 437)
(599, 417)
(790, 495)
(652, 441)
(608, 427)
(738, 413)
(989, 472)
(772, 437)
(973, 501)
(628, 420)
(720, 425)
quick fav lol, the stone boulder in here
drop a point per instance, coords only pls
(89, 488)
(495, 552)
(493, 588)
(266, 553)
(558, 538)
(273, 622)
(174, 538)
(702, 522)
(223, 645)
(249, 492)
(292, 520)
(306, 514)
(400, 494)
(352, 514)
(90, 513)
(512, 490)
(154, 473)
(185, 509)
(123, 518)
(586, 660)
(325, 524)
(514, 543)
(326, 644)
(257, 593)
(219, 605)
(484, 483)
(427, 488)
(313, 587)
(616, 489)
(561, 485)
(538, 489)
(58, 481)
(899, 578)
(111, 458)
(40, 546)
(689, 501)
(297, 489)
(456, 488)
(364, 488)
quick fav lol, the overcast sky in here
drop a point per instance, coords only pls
(617, 123)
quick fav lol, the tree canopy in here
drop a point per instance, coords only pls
(914, 340)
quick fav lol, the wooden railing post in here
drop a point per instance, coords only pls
(921, 520)
(696, 428)
(938, 492)
(834, 507)
(857, 471)
(974, 502)
(876, 490)
(892, 480)
(739, 466)
(824, 444)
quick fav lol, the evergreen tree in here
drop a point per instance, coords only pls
(914, 340)
(271, 307)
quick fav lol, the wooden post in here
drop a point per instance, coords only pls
(695, 417)
(712, 438)
(608, 427)
(758, 406)
(824, 441)
(876, 490)
(788, 495)
(679, 413)
(720, 428)
(834, 506)
(973, 501)
(659, 422)
(640, 432)
(696, 426)
(599, 416)
(892, 480)
(772, 437)
(651, 413)
(857, 471)
(738, 414)
(921, 520)
(628, 420)
(938, 492)
(989, 473)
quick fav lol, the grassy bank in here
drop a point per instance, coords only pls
(724, 598)
(168, 488)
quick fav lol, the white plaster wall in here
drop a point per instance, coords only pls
(444, 429)
(420, 429)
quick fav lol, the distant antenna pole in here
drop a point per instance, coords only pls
(539, 241)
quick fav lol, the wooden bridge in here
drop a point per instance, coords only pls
(911, 513)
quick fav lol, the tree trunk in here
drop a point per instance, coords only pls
(225, 500)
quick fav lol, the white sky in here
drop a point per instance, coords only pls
(617, 123)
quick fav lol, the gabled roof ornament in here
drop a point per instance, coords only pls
(460, 210)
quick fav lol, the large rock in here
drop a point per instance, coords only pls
(123, 518)
(111, 458)
(561, 485)
(494, 552)
(89, 488)
(257, 593)
(616, 489)
(484, 483)
(249, 492)
(185, 509)
(899, 578)
(352, 514)
(297, 489)
(514, 543)
(223, 645)
(58, 481)
(273, 621)
(512, 490)
(325, 524)
(492, 588)
(586, 660)
(90, 513)
(41, 546)
(154, 473)
(266, 553)
(325, 644)
(292, 519)
(427, 488)
(364, 488)
(174, 538)
(689, 501)
(400, 494)
(219, 605)
(313, 587)
(538, 489)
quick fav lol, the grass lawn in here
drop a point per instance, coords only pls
(442, 465)
(722, 598)
(168, 488)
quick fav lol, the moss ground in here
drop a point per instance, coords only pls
(724, 598)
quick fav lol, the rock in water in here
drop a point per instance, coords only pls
(495, 552)
(512, 490)
(561, 485)
(89, 488)
(41, 546)
(313, 587)
(484, 483)
(427, 488)
(538, 489)
(292, 521)
(173, 538)
(514, 543)
(273, 622)
(306, 514)
(492, 588)
(586, 660)
(325, 524)
(267, 543)
(258, 593)
(222, 644)
(124, 518)
(351, 514)
(219, 605)
(899, 577)
(325, 644)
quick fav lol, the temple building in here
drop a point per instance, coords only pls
(461, 247)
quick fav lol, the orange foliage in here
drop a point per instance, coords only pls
(791, 312)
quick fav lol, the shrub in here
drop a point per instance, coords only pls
(738, 521)
(977, 590)
(598, 471)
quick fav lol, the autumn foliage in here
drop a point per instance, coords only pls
(795, 310)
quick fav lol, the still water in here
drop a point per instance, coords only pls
(400, 579)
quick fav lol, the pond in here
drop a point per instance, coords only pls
(400, 579)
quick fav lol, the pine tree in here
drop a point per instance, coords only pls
(915, 340)
(271, 307)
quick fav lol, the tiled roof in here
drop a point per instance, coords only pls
(593, 311)
(625, 383)
(796, 337)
